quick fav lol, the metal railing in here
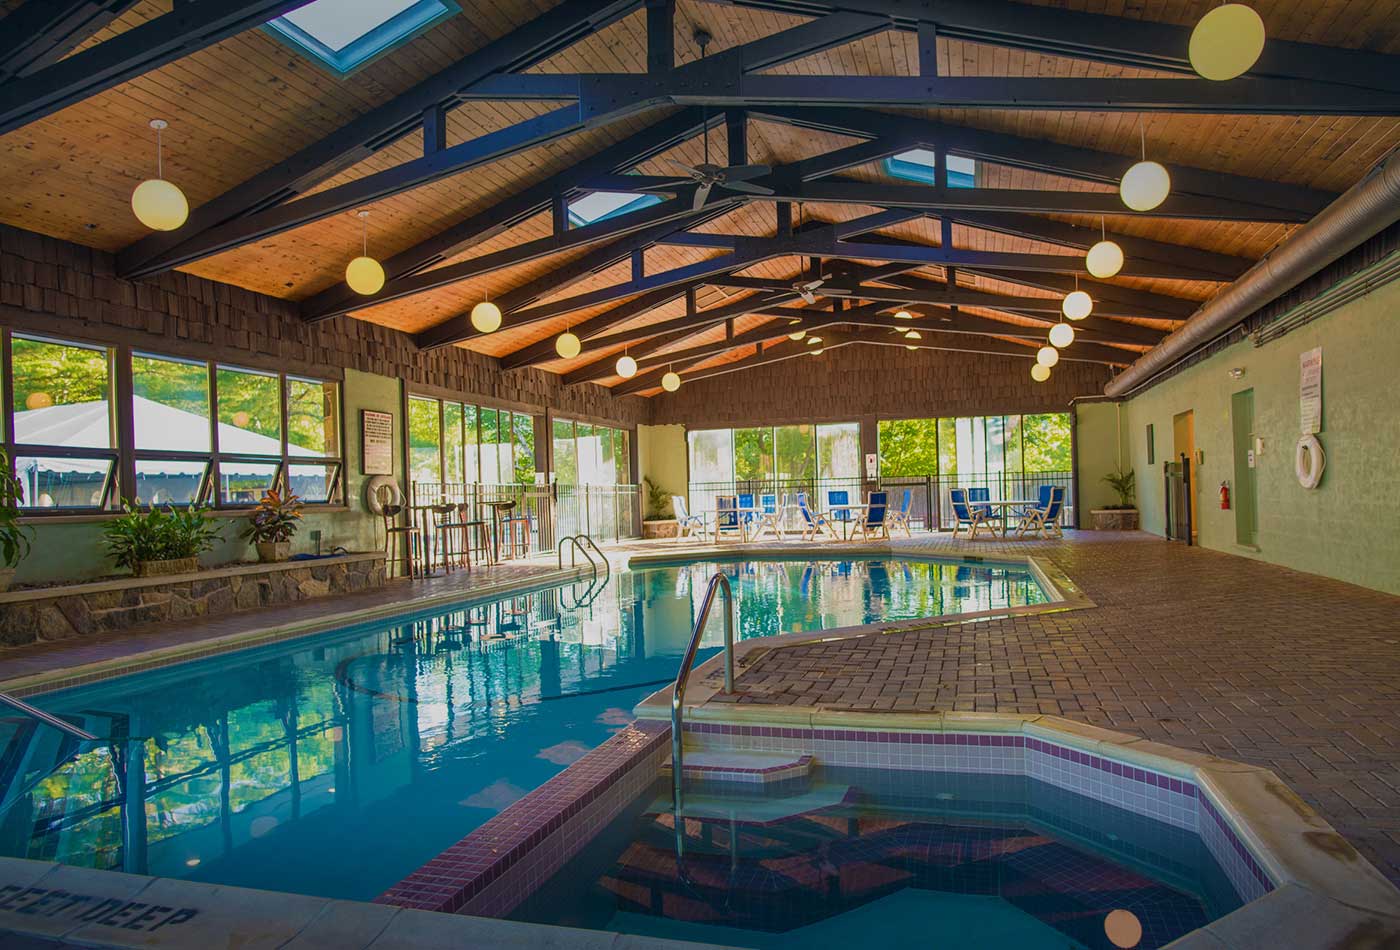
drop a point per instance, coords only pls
(578, 541)
(552, 511)
(47, 718)
(717, 582)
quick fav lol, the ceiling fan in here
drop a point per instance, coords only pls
(809, 289)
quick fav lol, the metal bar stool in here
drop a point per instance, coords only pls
(401, 542)
(457, 530)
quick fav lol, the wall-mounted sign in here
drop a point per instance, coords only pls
(1310, 391)
(376, 442)
(872, 464)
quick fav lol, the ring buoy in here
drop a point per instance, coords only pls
(382, 490)
(1309, 461)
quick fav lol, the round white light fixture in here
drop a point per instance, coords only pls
(1077, 305)
(157, 203)
(1226, 42)
(797, 335)
(1061, 335)
(568, 345)
(486, 317)
(1104, 259)
(913, 335)
(1040, 372)
(670, 382)
(817, 352)
(813, 340)
(910, 346)
(1145, 186)
(903, 315)
(1047, 356)
(626, 366)
(365, 276)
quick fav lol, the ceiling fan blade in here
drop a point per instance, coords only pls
(746, 187)
(807, 295)
(702, 195)
(689, 169)
(836, 292)
(745, 172)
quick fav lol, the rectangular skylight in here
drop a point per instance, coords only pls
(919, 164)
(597, 205)
(345, 34)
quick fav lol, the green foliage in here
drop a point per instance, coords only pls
(658, 500)
(908, 447)
(276, 518)
(14, 537)
(1125, 484)
(1046, 442)
(157, 535)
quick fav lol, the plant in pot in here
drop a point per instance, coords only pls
(660, 521)
(1124, 515)
(154, 542)
(272, 524)
(14, 537)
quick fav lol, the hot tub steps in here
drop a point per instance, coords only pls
(749, 768)
(737, 803)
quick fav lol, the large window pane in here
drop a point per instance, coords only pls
(796, 452)
(161, 482)
(524, 427)
(908, 447)
(565, 453)
(452, 442)
(313, 417)
(171, 409)
(712, 455)
(623, 455)
(753, 454)
(424, 440)
(312, 482)
(490, 451)
(63, 482)
(62, 394)
(244, 483)
(948, 446)
(250, 412)
(471, 444)
(1047, 442)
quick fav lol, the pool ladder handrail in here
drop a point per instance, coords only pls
(578, 541)
(717, 582)
(47, 718)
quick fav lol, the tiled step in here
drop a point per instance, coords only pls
(710, 803)
(751, 768)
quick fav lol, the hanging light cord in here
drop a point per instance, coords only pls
(160, 165)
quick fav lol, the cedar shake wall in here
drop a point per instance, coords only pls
(884, 382)
(62, 289)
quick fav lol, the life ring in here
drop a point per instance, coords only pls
(382, 490)
(1309, 461)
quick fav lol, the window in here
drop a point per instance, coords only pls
(424, 439)
(457, 443)
(346, 34)
(919, 164)
(1151, 445)
(565, 453)
(601, 205)
(171, 426)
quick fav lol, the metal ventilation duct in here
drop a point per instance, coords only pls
(1362, 211)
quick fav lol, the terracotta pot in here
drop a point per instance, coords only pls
(270, 552)
(1114, 519)
(7, 577)
(179, 565)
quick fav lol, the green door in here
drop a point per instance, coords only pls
(1245, 494)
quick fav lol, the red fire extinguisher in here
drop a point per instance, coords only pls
(1224, 496)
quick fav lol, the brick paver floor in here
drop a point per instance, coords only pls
(1196, 648)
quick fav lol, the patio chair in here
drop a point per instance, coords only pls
(1042, 521)
(975, 495)
(899, 517)
(1043, 495)
(834, 498)
(813, 522)
(687, 525)
(747, 519)
(768, 517)
(874, 523)
(727, 516)
(965, 514)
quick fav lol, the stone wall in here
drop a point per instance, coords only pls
(87, 609)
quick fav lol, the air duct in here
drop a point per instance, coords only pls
(1362, 211)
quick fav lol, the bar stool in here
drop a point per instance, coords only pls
(441, 515)
(518, 530)
(457, 530)
(401, 542)
(500, 511)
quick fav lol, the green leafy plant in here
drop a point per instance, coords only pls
(658, 501)
(14, 537)
(156, 535)
(276, 518)
(1125, 484)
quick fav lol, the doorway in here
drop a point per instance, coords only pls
(1184, 443)
(1246, 500)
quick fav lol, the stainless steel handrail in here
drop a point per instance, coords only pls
(718, 581)
(46, 718)
(607, 568)
(574, 539)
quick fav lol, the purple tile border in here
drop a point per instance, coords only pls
(735, 773)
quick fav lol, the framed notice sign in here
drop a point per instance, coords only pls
(1310, 391)
(376, 442)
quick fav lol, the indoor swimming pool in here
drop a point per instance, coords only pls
(338, 763)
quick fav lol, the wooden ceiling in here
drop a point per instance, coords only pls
(242, 106)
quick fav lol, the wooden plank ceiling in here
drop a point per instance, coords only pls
(245, 104)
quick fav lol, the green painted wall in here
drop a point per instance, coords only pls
(1347, 528)
(1101, 450)
(71, 549)
(661, 454)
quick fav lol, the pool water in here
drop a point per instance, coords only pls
(337, 764)
(857, 858)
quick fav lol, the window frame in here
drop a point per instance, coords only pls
(369, 46)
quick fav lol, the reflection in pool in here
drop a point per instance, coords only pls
(337, 764)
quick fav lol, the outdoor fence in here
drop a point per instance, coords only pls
(604, 512)
(930, 505)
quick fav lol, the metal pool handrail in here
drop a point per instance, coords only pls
(578, 546)
(46, 718)
(720, 582)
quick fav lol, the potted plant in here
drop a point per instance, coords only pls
(272, 524)
(154, 542)
(1124, 515)
(14, 537)
(659, 521)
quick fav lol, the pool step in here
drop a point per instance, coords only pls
(712, 803)
(749, 768)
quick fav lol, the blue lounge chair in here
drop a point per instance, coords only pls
(687, 525)
(813, 522)
(727, 516)
(1043, 521)
(965, 514)
(874, 523)
(1043, 501)
(975, 495)
(768, 518)
(899, 517)
(747, 519)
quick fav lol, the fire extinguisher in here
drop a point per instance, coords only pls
(1224, 496)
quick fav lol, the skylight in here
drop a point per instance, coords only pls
(346, 34)
(598, 205)
(918, 164)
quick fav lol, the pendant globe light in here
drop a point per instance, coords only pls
(1040, 372)
(1145, 185)
(797, 334)
(568, 345)
(671, 381)
(903, 315)
(910, 346)
(626, 366)
(816, 352)
(1077, 303)
(364, 274)
(1047, 356)
(157, 203)
(1105, 258)
(486, 317)
(913, 335)
(1061, 335)
(1226, 42)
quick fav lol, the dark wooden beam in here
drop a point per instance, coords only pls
(41, 32)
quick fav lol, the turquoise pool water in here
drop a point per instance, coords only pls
(336, 764)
